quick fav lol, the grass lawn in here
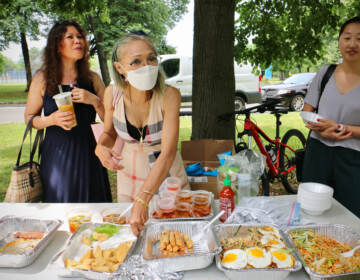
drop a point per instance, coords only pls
(13, 93)
(11, 134)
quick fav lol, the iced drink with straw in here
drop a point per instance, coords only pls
(64, 102)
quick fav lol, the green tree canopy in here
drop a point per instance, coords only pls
(286, 32)
(2, 63)
(106, 20)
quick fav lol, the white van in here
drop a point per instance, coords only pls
(178, 71)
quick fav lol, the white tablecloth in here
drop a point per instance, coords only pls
(39, 270)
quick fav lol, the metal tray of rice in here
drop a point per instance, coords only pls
(319, 247)
(200, 256)
(22, 239)
(255, 251)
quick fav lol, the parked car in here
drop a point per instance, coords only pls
(292, 90)
(178, 71)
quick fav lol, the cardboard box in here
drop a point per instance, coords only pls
(205, 151)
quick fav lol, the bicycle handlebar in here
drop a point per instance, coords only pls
(269, 105)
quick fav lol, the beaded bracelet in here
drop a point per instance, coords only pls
(141, 201)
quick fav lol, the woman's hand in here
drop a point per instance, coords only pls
(138, 218)
(80, 95)
(109, 158)
(322, 125)
(333, 134)
(328, 129)
(63, 119)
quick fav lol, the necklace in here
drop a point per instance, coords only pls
(141, 134)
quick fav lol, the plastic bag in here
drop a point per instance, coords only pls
(283, 211)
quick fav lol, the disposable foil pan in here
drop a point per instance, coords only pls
(223, 231)
(74, 248)
(204, 250)
(152, 208)
(12, 224)
(340, 233)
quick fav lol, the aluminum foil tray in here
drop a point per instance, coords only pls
(228, 230)
(340, 233)
(204, 250)
(13, 224)
(74, 249)
(152, 207)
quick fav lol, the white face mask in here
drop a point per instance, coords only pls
(143, 78)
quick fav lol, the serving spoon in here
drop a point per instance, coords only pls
(350, 253)
(199, 235)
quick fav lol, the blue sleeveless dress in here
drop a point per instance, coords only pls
(70, 170)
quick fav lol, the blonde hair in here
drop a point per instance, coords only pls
(117, 53)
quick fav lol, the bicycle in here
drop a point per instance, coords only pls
(279, 153)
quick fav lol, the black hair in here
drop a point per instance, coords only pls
(349, 21)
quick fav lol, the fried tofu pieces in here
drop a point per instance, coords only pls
(107, 260)
(174, 243)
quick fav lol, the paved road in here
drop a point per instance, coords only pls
(12, 113)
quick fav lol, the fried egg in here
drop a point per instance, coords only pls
(235, 259)
(269, 230)
(271, 240)
(258, 258)
(281, 258)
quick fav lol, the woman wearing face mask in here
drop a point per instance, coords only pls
(333, 152)
(145, 114)
(69, 168)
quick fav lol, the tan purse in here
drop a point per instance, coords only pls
(25, 182)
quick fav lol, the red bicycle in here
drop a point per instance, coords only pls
(279, 153)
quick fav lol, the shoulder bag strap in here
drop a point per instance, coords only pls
(27, 129)
(325, 80)
(37, 143)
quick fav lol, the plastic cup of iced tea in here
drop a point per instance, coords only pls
(65, 104)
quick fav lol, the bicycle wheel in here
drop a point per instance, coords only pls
(296, 140)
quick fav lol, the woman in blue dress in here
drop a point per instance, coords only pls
(69, 168)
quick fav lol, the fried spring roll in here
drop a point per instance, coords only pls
(172, 238)
(178, 240)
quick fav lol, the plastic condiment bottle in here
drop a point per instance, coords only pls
(226, 199)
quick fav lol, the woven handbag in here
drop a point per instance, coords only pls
(25, 182)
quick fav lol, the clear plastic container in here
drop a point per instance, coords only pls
(77, 216)
(185, 196)
(201, 203)
(173, 184)
(112, 215)
(166, 207)
(183, 209)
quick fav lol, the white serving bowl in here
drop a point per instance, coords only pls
(314, 198)
(313, 212)
(310, 117)
(313, 190)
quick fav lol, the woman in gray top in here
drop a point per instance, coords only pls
(333, 152)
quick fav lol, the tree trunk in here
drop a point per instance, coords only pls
(102, 54)
(213, 88)
(25, 52)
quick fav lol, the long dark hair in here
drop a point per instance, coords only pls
(349, 21)
(52, 66)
